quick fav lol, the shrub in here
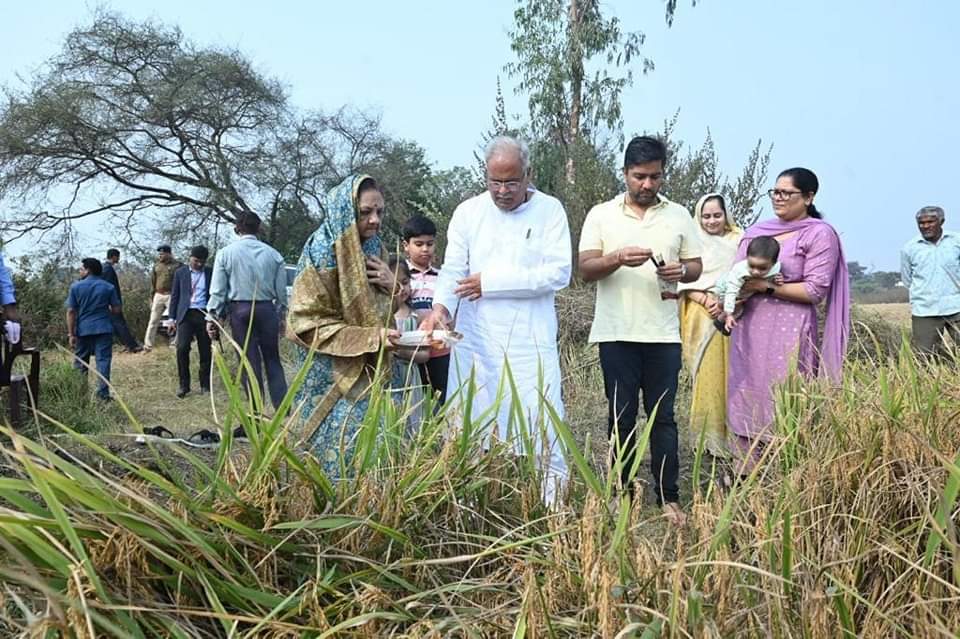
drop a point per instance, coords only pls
(66, 396)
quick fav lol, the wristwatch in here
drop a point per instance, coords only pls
(770, 288)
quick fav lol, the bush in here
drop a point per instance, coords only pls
(67, 397)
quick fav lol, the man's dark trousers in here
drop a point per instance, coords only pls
(101, 347)
(632, 367)
(193, 325)
(122, 331)
(263, 347)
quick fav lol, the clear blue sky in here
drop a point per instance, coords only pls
(862, 92)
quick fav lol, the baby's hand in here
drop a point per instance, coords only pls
(778, 279)
(730, 322)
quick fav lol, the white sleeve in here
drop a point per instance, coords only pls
(456, 260)
(733, 282)
(551, 274)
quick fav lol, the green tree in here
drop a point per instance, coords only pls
(133, 120)
(857, 271)
(692, 173)
(573, 64)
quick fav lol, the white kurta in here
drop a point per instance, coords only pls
(523, 257)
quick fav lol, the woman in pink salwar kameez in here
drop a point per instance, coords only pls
(779, 323)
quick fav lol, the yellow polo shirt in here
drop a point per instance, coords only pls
(629, 308)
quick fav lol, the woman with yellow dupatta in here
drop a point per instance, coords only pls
(340, 306)
(705, 350)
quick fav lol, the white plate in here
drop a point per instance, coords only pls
(422, 338)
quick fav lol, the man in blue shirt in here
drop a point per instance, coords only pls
(90, 303)
(188, 304)
(7, 298)
(250, 285)
(120, 328)
(930, 269)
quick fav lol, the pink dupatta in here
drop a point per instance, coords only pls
(836, 331)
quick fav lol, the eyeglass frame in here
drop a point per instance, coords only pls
(512, 186)
(783, 196)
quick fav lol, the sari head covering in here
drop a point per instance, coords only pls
(836, 329)
(718, 250)
(333, 307)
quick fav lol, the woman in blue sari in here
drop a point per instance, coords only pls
(340, 307)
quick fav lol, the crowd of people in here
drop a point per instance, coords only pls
(738, 308)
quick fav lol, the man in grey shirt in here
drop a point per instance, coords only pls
(249, 286)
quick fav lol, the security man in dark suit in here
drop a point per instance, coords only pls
(188, 303)
(120, 328)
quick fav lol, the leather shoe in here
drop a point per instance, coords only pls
(182, 392)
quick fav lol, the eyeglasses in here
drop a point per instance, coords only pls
(777, 194)
(510, 185)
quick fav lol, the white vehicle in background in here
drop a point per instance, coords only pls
(291, 275)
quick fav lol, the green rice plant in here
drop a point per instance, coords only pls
(844, 527)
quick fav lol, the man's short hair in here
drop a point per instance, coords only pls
(249, 223)
(508, 143)
(418, 225)
(93, 265)
(112, 253)
(164, 248)
(643, 149)
(200, 252)
(764, 246)
(930, 210)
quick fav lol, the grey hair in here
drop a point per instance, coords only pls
(503, 143)
(931, 210)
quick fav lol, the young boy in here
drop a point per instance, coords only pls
(761, 262)
(419, 244)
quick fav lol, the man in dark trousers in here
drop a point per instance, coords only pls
(188, 303)
(90, 303)
(120, 328)
(250, 285)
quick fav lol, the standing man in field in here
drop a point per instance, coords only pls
(188, 309)
(161, 281)
(250, 286)
(930, 269)
(90, 303)
(120, 328)
(636, 322)
(508, 253)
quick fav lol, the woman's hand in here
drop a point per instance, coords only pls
(712, 304)
(379, 274)
(389, 337)
(708, 301)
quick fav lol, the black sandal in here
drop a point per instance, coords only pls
(159, 431)
(205, 438)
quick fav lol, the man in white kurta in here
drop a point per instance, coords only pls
(508, 253)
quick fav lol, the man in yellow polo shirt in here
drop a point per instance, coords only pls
(636, 321)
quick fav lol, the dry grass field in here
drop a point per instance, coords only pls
(898, 314)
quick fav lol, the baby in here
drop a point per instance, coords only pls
(761, 262)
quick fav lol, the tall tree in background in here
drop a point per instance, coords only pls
(571, 100)
(131, 119)
(692, 173)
